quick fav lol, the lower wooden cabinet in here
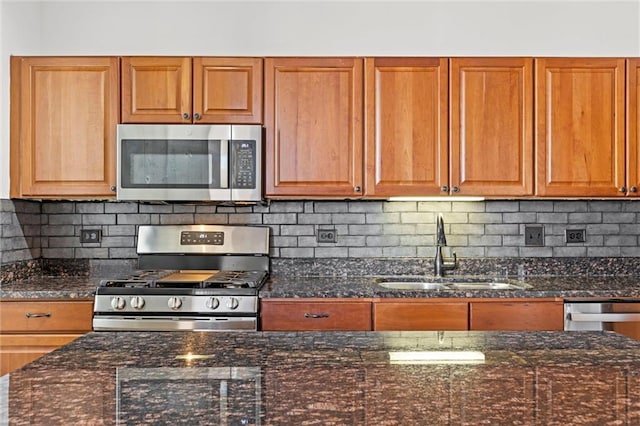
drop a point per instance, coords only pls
(419, 314)
(528, 315)
(315, 315)
(30, 329)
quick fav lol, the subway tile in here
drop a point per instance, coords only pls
(278, 218)
(570, 206)
(503, 251)
(49, 207)
(382, 218)
(620, 240)
(398, 229)
(435, 206)
(176, 219)
(296, 252)
(485, 218)
(593, 217)
(133, 219)
(90, 208)
(399, 251)
(365, 251)
(121, 207)
(553, 218)
(468, 206)
(366, 229)
(245, 219)
(570, 251)
(507, 229)
(529, 217)
(155, 208)
(287, 207)
(65, 219)
(331, 207)
(604, 206)
(365, 206)
(502, 206)
(313, 218)
(348, 218)
(98, 219)
(618, 217)
(331, 252)
(382, 240)
(211, 218)
(401, 206)
(536, 206)
(297, 230)
(485, 240)
(603, 251)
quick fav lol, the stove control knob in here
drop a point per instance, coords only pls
(213, 303)
(137, 302)
(174, 303)
(118, 303)
(233, 303)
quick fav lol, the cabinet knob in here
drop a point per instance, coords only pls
(633, 189)
(455, 189)
(623, 189)
(357, 188)
(113, 188)
(185, 115)
(197, 116)
(444, 189)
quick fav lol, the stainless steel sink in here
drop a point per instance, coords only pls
(451, 283)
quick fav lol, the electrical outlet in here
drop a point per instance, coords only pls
(575, 236)
(327, 235)
(534, 235)
(90, 235)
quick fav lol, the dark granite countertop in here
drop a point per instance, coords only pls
(68, 287)
(284, 286)
(289, 286)
(139, 378)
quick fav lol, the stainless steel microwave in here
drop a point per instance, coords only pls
(181, 162)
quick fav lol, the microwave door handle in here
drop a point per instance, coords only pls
(224, 164)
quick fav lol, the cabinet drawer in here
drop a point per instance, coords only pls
(522, 316)
(408, 315)
(316, 315)
(41, 316)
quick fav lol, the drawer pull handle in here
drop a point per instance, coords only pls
(41, 315)
(316, 315)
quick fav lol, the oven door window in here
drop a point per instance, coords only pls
(171, 163)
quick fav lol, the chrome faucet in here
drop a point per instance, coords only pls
(440, 265)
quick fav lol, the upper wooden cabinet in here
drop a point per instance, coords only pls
(406, 126)
(64, 113)
(633, 127)
(203, 90)
(580, 138)
(313, 120)
(414, 104)
(491, 126)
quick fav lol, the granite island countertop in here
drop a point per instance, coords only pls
(292, 286)
(538, 378)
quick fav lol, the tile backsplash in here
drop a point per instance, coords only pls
(364, 229)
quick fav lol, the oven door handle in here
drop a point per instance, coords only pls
(604, 317)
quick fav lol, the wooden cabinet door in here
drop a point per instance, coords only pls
(227, 90)
(156, 89)
(64, 113)
(414, 315)
(580, 140)
(17, 350)
(633, 127)
(516, 315)
(406, 126)
(41, 316)
(491, 126)
(315, 315)
(313, 120)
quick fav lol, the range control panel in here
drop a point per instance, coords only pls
(192, 238)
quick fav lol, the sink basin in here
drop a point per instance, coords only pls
(451, 283)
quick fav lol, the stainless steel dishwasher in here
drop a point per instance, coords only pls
(620, 315)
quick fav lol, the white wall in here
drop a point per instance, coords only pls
(263, 28)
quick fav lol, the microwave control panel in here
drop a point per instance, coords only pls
(243, 167)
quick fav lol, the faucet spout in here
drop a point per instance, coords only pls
(440, 265)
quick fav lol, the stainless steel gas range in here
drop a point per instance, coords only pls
(192, 277)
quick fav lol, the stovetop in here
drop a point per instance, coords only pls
(170, 282)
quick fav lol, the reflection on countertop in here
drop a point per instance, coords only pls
(329, 378)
